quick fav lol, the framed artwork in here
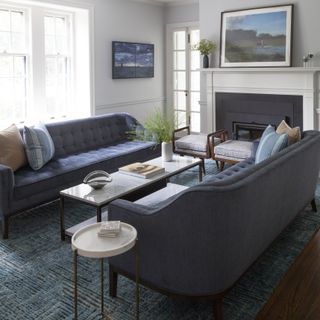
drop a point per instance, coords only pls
(132, 60)
(260, 37)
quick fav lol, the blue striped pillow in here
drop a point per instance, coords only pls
(39, 145)
(270, 144)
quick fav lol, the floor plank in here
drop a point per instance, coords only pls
(297, 296)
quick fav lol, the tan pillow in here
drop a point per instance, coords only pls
(12, 152)
(294, 134)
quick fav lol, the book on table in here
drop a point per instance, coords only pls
(141, 170)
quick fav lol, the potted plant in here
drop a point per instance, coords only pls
(205, 47)
(161, 126)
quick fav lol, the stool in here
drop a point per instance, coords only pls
(233, 151)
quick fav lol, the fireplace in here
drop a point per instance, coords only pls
(245, 115)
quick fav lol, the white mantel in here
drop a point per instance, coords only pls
(287, 81)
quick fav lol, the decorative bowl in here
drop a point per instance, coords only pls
(97, 179)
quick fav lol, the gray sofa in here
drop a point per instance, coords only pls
(81, 146)
(198, 242)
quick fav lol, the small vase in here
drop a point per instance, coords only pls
(166, 151)
(205, 61)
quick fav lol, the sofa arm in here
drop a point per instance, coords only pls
(6, 188)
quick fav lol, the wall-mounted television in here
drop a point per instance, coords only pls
(132, 60)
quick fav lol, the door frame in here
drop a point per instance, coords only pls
(169, 60)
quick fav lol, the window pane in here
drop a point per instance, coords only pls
(195, 80)
(195, 60)
(179, 100)
(61, 45)
(50, 44)
(19, 66)
(4, 20)
(4, 41)
(17, 21)
(194, 100)
(60, 26)
(6, 67)
(179, 80)
(49, 25)
(17, 42)
(195, 122)
(179, 40)
(179, 60)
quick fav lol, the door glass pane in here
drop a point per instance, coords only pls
(195, 122)
(181, 119)
(179, 100)
(179, 80)
(194, 101)
(195, 80)
(179, 60)
(195, 60)
(194, 37)
(179, 40)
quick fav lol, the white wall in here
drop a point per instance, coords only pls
(182, 13)
(306, 23)
(126, 20)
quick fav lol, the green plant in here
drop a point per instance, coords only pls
(205, 46)
(160, 126)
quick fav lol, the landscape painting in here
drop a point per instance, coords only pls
(256, 37)
(132, 60)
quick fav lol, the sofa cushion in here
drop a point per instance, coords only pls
(39, 145)
(12, 152)
(294, 134)
(270, 144)
(70, 170)
(195, 142)
(234, 150)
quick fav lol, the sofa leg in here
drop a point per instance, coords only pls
(221, 165)
(5, 227)
(203, 166)
(217, 309)
(113, 282)
(313, 205)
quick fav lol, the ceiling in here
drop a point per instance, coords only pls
(169, 1)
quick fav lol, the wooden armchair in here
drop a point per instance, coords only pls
(196, 145)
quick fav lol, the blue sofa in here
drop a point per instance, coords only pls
(198, 242)
(81, 146)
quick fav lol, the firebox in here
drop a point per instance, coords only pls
(245, 115)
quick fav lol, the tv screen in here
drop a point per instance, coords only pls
(132, 60)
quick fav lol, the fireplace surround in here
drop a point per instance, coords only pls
(301, 85)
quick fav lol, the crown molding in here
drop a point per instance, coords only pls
(164, 3)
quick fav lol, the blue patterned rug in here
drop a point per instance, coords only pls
(36, 272)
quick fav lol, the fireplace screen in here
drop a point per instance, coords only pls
(247, 131)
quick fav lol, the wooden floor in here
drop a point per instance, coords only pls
(297, 296)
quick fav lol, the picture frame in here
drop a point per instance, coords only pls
(257, 37)
(132, 60)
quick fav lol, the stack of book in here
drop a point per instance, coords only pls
(110, 229)
(141, 170)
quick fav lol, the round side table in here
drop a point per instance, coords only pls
(86, 243)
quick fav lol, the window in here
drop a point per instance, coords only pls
(58, 65)
(41, 50)
(13, 64)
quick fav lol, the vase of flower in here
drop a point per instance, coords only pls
(205, 47)
(166, 151)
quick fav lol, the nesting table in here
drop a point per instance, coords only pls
(86, 242)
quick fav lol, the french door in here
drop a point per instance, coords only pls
(185, 84)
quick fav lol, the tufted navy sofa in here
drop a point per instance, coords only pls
(81, 146)
(198, 242)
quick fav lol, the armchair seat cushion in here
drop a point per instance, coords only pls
(234, 150)
(194, 142)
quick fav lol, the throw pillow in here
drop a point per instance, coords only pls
(12, 152)
(39, 145)
(294, 134)
(270, 144)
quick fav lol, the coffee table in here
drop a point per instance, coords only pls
(122, 185)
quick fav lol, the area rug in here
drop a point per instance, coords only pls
(36, 272)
